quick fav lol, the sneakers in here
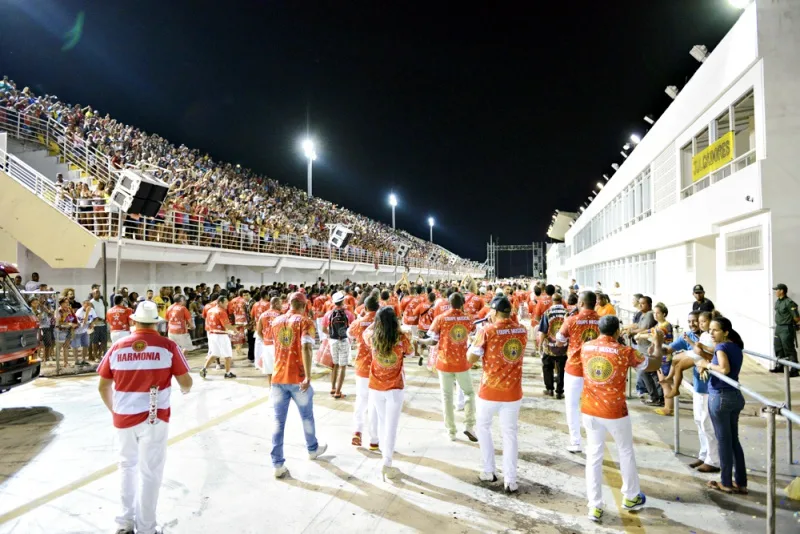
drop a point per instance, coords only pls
(317, 453)
(280, 471)
(460, 408)
(488, 477)
(511, 487)
(635, 504)
(705, 468)
(548, 392)
(574, 449)
(391, 473)
(559, 396)
(203, 372)
(124, 531)
(230, 375)
(420, 361)
(374, 447)
(217, 366)
(595, 514)
(471, 435)
(452, 437)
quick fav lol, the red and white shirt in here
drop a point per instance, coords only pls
(217, 321)
(135, 364)
(118, 318)
(179, 319)
(265, 320)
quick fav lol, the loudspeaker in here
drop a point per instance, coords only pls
(402, 250)
(139, 193)
(340, 236)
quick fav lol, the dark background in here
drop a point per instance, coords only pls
(483, 116)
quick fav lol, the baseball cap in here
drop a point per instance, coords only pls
(698, 289)
(337, 297)
(146, 312)
(501, 304)
(297, 296)
(780, 286)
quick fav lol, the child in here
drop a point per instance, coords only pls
(702, 349)
(663, 326)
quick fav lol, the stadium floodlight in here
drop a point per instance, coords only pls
(430, 223)
(649, 119)
(672, 91)
(311, 155)
(599, 185)
(739, 4)
(635, 139)
(607, 177)
(615, 166)
(583, 209)
(624, 155)
(699, 52)
(393, 204)
(626, 146)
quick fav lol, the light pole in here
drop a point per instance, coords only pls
(311, 154)
(393, 204)
(430, 223)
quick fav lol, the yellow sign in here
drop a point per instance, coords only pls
(712, 158)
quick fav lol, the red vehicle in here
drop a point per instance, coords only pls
(19, 334)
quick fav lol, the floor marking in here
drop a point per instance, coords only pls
(78, 484)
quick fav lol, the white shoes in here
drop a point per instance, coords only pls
(488, 477)
(280, 472)
(319, 452)
(574, 449)
(511, 487)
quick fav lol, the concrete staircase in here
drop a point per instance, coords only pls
(44, 161)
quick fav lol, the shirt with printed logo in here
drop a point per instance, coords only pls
(290, 332)
(451, 329)
(356, 330)
(386, 370)
(605, 364)
(178, 318)
(266, 319)
(217, 321)
(578, 329)
(501, 346)
(237, 307)
(118, 318)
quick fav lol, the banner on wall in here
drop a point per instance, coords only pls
(716, 155)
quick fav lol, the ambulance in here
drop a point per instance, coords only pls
(19, 334)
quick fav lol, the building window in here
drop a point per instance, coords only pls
(745, 126)
(690, 257)
(743, 250)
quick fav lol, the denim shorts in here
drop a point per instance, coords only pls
(80, 340)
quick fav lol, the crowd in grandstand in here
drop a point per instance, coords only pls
(217, 198)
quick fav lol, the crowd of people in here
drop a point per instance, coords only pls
(465, 328)
(209, 202)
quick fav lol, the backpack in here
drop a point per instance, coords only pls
(338, 324)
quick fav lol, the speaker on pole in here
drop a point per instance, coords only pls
(402, 250)
(139, 193)
(340, 236)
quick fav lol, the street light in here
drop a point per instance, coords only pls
(739, 4)
(635, 139)
(311, 154)
(599, 185)
(393, 204)
(430, 223)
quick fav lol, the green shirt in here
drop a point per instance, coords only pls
(785, 311)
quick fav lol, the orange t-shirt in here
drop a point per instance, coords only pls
(384, 304)
(208, 307)
(605, 367)
(360, 310)
(386, 370)
(217, 321)
(425, 313)
(483, 313)
(440, 306)
(118, 318)
(501, 346)
(178, 318)
(578, 329)
(350, 303)
(258, 308)
(363, 353)
(608, 309)
(452, 330)
(238, 309)
(290, 332)
(319, 307)
(472, 304)
(543, 304)
(410, 316)
(266, 319)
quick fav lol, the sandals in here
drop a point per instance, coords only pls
(713, 484)
(333, 392)
(663, 411)
(340, 396)
(741, 490)
(356, 439)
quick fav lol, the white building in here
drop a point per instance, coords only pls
(711, 195)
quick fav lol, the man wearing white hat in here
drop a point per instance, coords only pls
(135, 383)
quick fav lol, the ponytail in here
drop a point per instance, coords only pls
(726, 326)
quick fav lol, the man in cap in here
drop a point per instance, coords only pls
(786, 320)
(294, 335)
(701, 303)
(335, 325)
(135, 384)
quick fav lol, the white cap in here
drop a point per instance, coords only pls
(499, 291)
(146, 312)
(338, 297)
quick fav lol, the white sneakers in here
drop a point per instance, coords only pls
(488, 477)
(574, 449)
(319, 452)
(280, 472)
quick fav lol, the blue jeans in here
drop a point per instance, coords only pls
(281, 395)
(724, 407)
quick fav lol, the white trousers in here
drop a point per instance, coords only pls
(573, 387)
(322, 334)
(622, 432)
(387, 406)
(142, 454)
(184, 341)
(267, 359)
(365, 410)
(509, 417)
(709, 447)
(116, 335)
(461, 400)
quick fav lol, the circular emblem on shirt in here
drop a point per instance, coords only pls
(286, 336)
(555, 325)
(386, 360)
(600, 369)
(139, 346)
(588, 335)
(512, 349)
(458, 333)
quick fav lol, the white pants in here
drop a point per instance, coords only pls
(509, 417)
(143, 451)
(184, 341)
(219, 345)
(573, 387)
(267, 359)
(709, 447)
(365, 410)
(258, 353)
(621, 431)
(322, 334)
(461, 401)
(116, 335)
(387, 405)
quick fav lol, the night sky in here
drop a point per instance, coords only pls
(486, 118)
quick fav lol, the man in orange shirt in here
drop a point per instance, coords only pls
(410, 318)
(425, 313)
(294, 336)
(605, 364)
(219, 344)
(501, 346)
(362, 364)
(179, 321)
(260, 306)
(265, 358)
(576, 330)
(451, 330)
(119, 319)
(237, 309)
(349, 300)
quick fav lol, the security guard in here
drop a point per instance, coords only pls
(786, 320)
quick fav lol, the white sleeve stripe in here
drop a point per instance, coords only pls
(308, 339)
(477, 351)
(560, 338)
